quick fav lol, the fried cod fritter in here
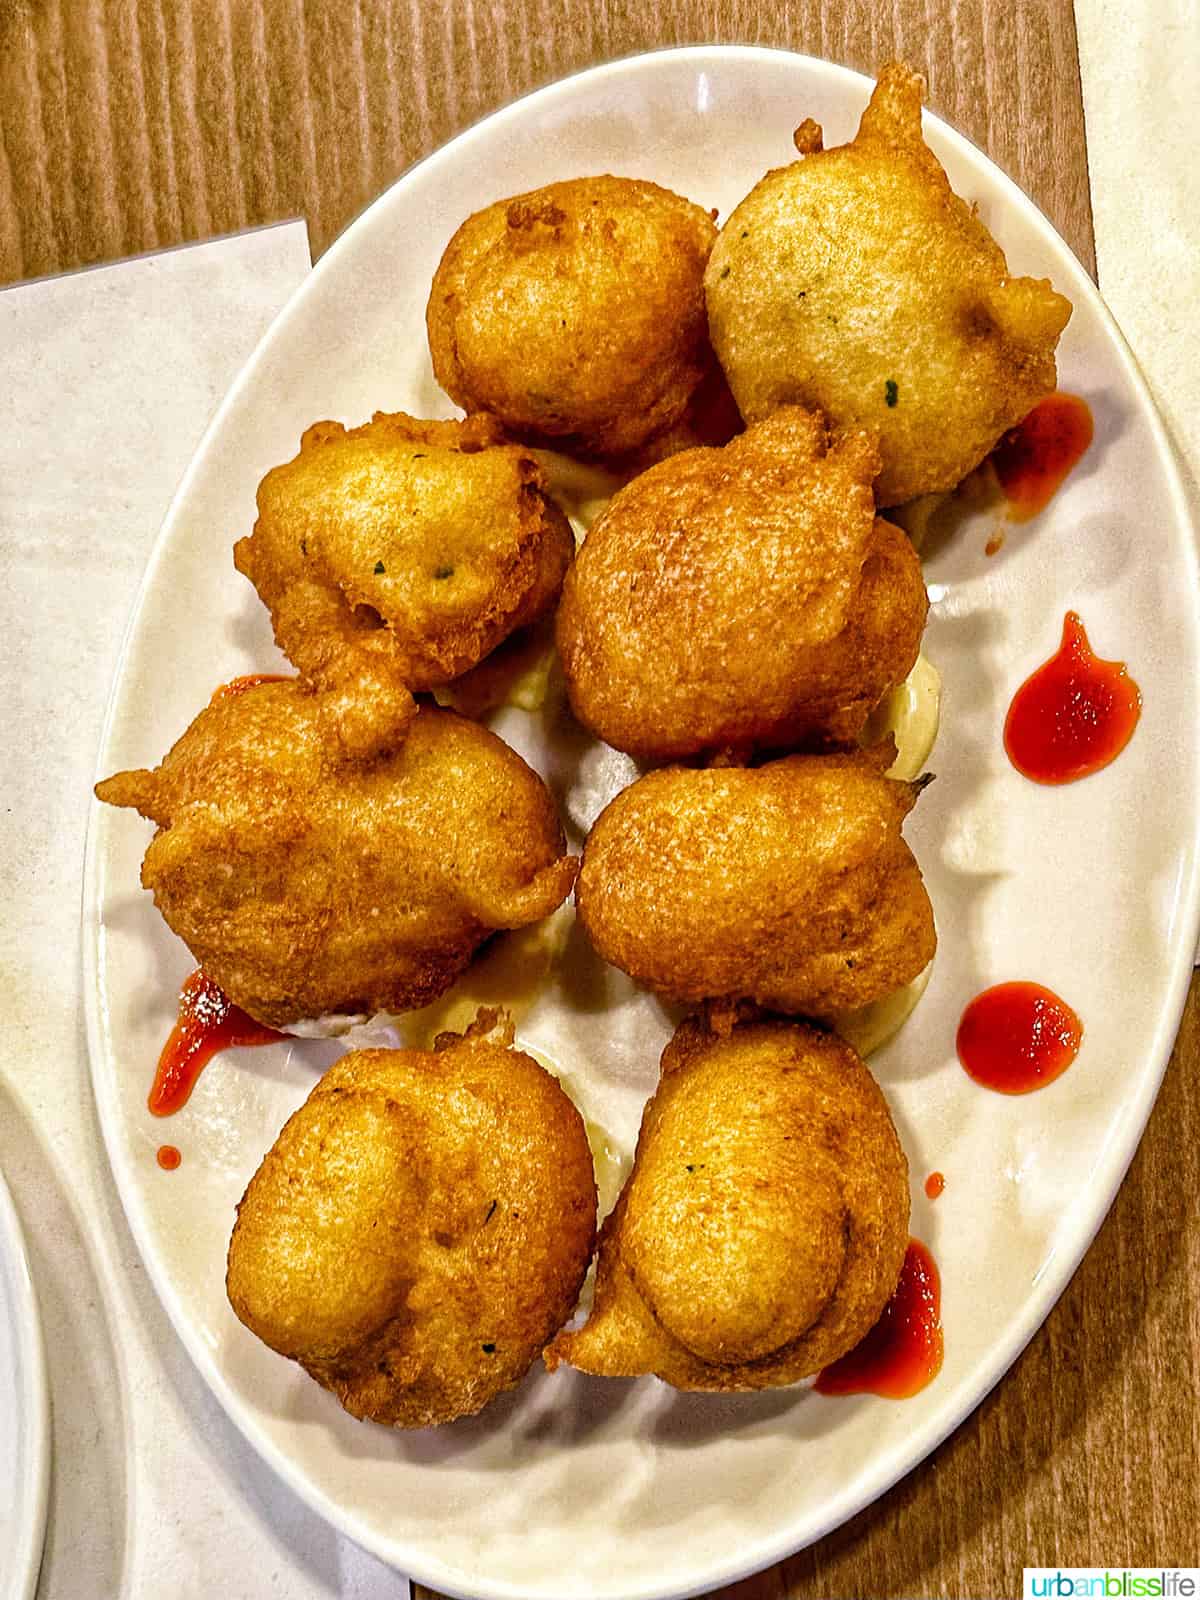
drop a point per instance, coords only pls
(575, 313)
(711, 418)
(395, 556)
(742, 597)
(420, 1229)
(763, 1227)
(787, 884)
(856, 280)
(304, 885)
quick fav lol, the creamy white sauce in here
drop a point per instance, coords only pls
(912, 715)
(869, 1028)
(917, 516)
(581, 490)
(510, 973)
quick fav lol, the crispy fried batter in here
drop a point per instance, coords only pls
(420, 1228)
(305, 886)
(787, 884)
(575, 313)
(742, 596)
(712, 418)
(395, 556)
(857, 281)
(764, 1224)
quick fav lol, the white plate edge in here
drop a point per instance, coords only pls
(32, 1356)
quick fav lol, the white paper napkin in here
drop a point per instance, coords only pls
(110, 378)
(1140, 70)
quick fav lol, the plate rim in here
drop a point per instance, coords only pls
(1118, 1151)
(31, 1354)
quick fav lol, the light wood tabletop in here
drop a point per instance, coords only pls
(128, 125)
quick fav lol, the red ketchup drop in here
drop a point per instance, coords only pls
(250, 680)
(1017, 1037)
(1074, 715)
(935, 1184)
(1033, 458)
(208, 1021)
(903, 1351)
(168, 1157)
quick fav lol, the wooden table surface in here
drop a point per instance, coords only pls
(127, 125)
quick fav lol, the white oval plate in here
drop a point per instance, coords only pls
(25, 1414)
(575, 1486)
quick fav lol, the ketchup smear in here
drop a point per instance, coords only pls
(1017, 1037)
(250, 680)
(1074, 715)
(168, 1157)
(935, 1183)
(208, 1021)
(903, 1351)
(1033, 458)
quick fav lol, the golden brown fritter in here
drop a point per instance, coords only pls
(856, 280)
(742, 597)
(420, 1228)
(395, 556)
(305, 885)
(763, 1227)
(712, 418)
(575, 313)
(787, 884)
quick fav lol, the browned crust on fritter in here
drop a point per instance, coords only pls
(765, 1221)
(744, 596)
(305, 884)
(787, 884)
(857, 281)
(395, 556)
(575, 313)
(419, 1230)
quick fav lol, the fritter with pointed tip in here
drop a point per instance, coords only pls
(575, 313)
(305, 885)
(745, 596)
(763, 1227)
(856, 280)
(787, 884)
(420, 1228)
(395, 556)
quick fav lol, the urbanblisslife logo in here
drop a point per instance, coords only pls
(1113, 1583)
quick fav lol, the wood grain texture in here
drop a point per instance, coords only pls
(126, 125)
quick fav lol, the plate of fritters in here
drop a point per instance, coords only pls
(592, 514)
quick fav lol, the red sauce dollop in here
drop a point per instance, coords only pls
(208, 1021)
(1074, 715)
(935, 1183)
(1033, 458)
(903, 1351)
(168, 1157)
(1018, 1036)
(251, 680)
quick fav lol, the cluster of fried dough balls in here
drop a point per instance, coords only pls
(765, 1221)
(420, 1228)
(787, 884)
(742, 597)
(305, 886)
(395, 556)
(857, 281)
(576, 314)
